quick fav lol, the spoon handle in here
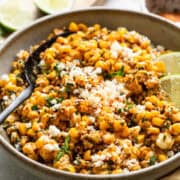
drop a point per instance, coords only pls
(19, 100)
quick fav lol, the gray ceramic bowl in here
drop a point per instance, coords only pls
(158, 30)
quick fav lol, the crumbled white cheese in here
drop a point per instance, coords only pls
(56, 107)
(98, 163)
(5, 98)
(170, 153)
(53, 131)
(91, 128)
(20, 53)
(53, 101)
(140, 108)
(44, 138)
(28, 125)
(13, 97)
(76, 61)
(125, 170)
(60, 66)
(105, 93)
(116, 48)
(42, 63)
(92, 119)
(4, 77)
(132, 162)
(51, 147)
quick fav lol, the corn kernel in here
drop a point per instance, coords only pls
(87, 155)
(162, 157)
(73, 27)
(153, 130)
(73, 132)
(108, 138)
(175, 129)
(156, 121)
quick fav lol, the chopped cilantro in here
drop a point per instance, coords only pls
(34, 108)
(59, 155)
(49, 101)
(18, 75)
(69, 87)
(144, 119)
(64, 149)
(136, 140)
(122, 123)
(57, 67)
(119, 73)
(152, 160)
(59, 100)
(119, 110)
(164, 137)
(129, 106)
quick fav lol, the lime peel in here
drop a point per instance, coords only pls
(14, 15)
(53, 6)
(171, 85)
(171, 61)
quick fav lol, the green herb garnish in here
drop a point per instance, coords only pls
(34, 108)
(152, 160)
(59, 100)
(164, 137)
(57, 67)
(64, 149)
(144, 119)
(136, 140)
(130, 106)
(69, 87)
(119, 111)
(49, 101)
(119, 73)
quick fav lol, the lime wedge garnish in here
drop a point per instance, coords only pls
(171, 61)
(14, 14)
(54, 6)
(171, 85)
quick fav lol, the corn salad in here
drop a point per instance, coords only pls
(97, 107)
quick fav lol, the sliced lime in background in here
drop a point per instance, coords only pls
(15, 14)
(171, 82)
(171, 61)
(171, 85)
(54, 6)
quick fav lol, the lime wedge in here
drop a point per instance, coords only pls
(54, 6)
(171, 85)
(14, 14)
(171, 61)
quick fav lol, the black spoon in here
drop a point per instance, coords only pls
(30, 75)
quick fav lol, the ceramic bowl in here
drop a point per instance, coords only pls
(158, 30)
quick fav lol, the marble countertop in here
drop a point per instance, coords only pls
(9, 170)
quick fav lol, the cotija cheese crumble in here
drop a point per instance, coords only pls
(97, 107)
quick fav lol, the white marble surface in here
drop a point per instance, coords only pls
(8, 169)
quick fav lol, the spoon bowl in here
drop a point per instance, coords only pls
(30, 75)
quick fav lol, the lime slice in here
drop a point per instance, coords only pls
(171, 85)
(15, 14)
(54, 6)
(171, 61)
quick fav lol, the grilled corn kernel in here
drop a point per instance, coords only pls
(108, 138)
(73, 132)
(87, 155)
(73, 27)
(175, 129)
(162, 157)
(156, 121)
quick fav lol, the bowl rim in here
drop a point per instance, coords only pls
(49, 170)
